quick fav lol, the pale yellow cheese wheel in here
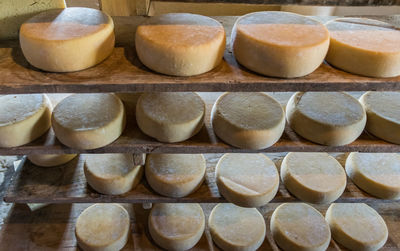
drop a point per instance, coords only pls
(383, 114)
(375, 173)
(313, 177)
(279, 44)
(298, 226)
(356, 226)
(175, 175)
(65, 40)
(102, 227)
(249, 120)
(88, 121)
(247, 180)
(236, 228)
(364, 46)
(176, 226)
(23, 118)
(170, 116)
(112, 174)
(326, 118)
(180, 44)
(49, 160)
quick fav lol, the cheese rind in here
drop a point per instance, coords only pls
(326, 118)
(249, 120)
(247, 180)
(88, 121)
(49, 160)
(175, 175)
(67, 40)
(236, 228)
(313, 177)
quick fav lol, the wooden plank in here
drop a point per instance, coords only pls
(118, 7)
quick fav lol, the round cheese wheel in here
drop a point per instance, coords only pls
(326, 118)
(102, 227)
(298, 226)
(170, 116)
(236, 228)
(130, 100)
(376, 173)
(383, 114)
(248, 180)
(180, 44)
(279, 44)
(356, 226)
(112, 174)
(176, 226)
(65, 40)
(313, 177)
(364, 46)
(23, 118)
(88, 121)
(175, 175)
(48, 160)
(249, 120)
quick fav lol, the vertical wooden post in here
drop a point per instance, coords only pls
(119, 7)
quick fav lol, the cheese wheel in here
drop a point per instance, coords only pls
(88, 121)
(383, 114)
(376, 173)
(279, 44)
(356, 226)
(102, 227)
(249, 120)
(313, 177)
(180, 44)
(112, 174)
(364, 46)
(170, 116)
(236, 228)
(176, 226)
(49, 160)
(175, 175)
(130, 100)
(23, 118)
(326, 118)
(298, 226)
(66, 40)
(248, 180)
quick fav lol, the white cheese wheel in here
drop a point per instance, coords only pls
(247, 180)
(326, 118)
(23, 118)
(236, 228)
(102, 227)
(66, 40)
(313, 177)
(170, 116)
(176, 226)
(356, 226)
(383, 114)
(112, 174)
(180, 44)
(364, 46)
(279, 44)
(249, 120)
(130, 100)
(376, 173)
(48, 160)
(175, 175)
(88, 121)
(298, 226)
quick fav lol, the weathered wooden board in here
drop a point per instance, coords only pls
(299, 2)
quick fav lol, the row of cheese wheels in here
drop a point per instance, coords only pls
(293, 226)
(278, 44)
(247, 180)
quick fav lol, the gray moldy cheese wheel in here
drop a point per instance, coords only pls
(279, 44)
(364, 46)
(180, 44)
(326, 118)
(49, 160)
(66, 40)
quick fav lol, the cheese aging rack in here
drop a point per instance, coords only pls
(123, 72)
